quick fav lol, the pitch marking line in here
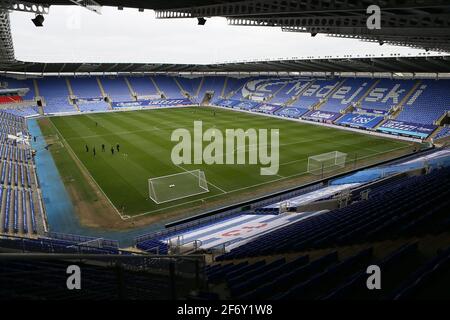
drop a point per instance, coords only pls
(219, 188)
(88, 173)
(245, 188)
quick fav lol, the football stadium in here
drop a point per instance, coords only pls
(306, 178)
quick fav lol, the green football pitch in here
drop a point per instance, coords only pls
(145, 152)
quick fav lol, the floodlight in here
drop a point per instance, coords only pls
(38, 20)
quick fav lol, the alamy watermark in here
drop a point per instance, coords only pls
(234, 146)
(373, 22)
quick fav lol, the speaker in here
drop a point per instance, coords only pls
(38, 20)
(201, 21)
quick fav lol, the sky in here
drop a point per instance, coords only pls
(74, 34)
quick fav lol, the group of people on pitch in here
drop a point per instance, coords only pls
(103, 149)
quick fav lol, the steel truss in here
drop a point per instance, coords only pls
(401, 20)
(24, 6)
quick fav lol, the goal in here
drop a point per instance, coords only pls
(326, 162)
(177, 186)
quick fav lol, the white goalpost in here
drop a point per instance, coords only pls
(326, 162)
(177, 186)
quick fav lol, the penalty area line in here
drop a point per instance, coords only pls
(211, 184)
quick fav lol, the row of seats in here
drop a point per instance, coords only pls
(154, 244)
(24, 111)
(93, 106)
(20, 210)
(17, 211)
(425, 105)
(386, 94)
(388, 212)
(10, 99)
(428, 103)
(14, 174)
(14, 153)
(407, 273)
(445, 132)
(102, 280)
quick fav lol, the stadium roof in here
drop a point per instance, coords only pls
(413, 23)
(434, 64)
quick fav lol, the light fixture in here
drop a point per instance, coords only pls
(38, 20)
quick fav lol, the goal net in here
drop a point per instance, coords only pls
(177, 186)
(326, 162)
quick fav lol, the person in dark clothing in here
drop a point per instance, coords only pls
(103, 147)
(96, 124)
(112, 150)
(118, 148)
(93, 150)
(87, 148)
(34, 138)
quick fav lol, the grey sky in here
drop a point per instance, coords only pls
(75, 34)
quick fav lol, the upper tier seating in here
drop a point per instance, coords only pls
(445, 132)
(386, 94)
(190, 85)
(428, 102)
(317, 91)
(143, 86)
(349, 92)
(24, 111)
(233, 87)
(212, 84)
(391, 210)
(20, 84)
(116, 88)
(10, 99)
(56, 94)
(259, 89)
(292, 88)
(168, 86)
(93, 106)
(86, 87)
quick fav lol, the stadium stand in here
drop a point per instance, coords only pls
(24, 111)
(291, 112)
(88, 94)
(292, 88)
(10, 99)
(298, 98)
(11, 83)
(428, 103)
(56, 95)
(19, 201)
(260, 89)
(350, 92)
(385, 95)
(143, 86)
(317, 92)
(356, 120)
(190, 85)
(214, 85)
(389, 208)
(116, 88)
(85, 87)
(233, 87)
(445, 132)
(168, 87)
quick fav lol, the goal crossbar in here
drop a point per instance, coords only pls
(325, 162)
